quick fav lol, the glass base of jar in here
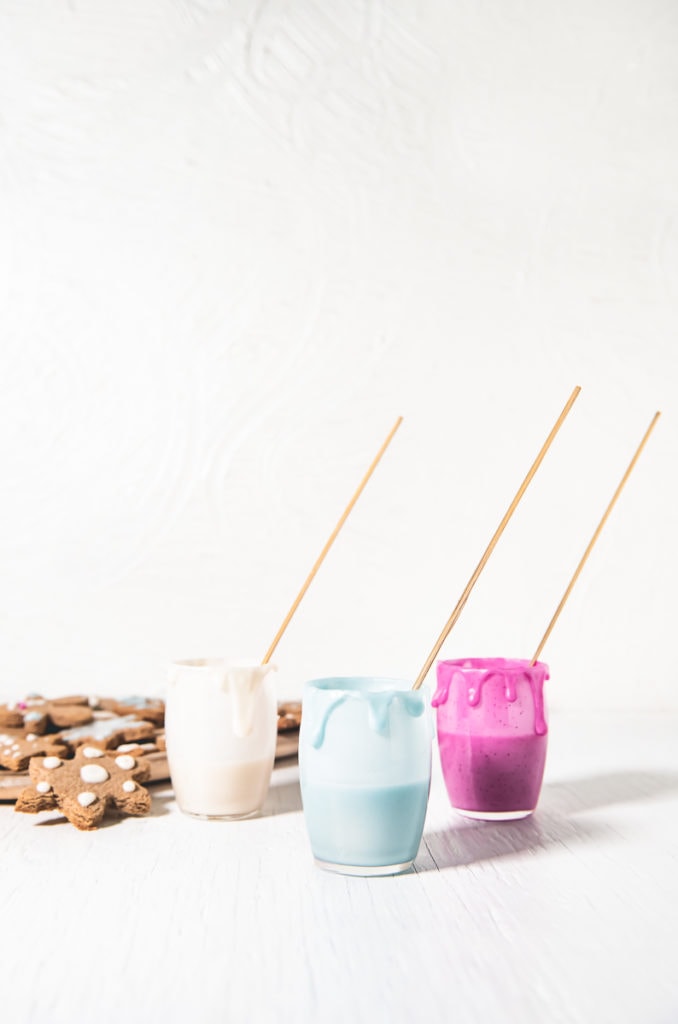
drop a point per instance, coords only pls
(221, 817)
(493, 815)
(363, 870)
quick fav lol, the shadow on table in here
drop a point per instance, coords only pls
(284, 795)
(587, 794)
(555, 822)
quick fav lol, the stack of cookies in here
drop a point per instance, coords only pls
(85, 754)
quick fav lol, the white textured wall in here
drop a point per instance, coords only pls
(237, 239)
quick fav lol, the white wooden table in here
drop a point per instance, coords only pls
(570, 916)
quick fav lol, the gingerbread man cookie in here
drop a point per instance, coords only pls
(11, 716)
(84, 787)
(151, 709)
(135, 749)
(38, 715)
(289, 716)
(110, 731)
(16, 748)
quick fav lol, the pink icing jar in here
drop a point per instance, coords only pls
(492, 733)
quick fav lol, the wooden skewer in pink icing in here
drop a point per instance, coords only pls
(491, 546)
(594, 538)
(330, 541)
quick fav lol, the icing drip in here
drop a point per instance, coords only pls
(534, 676)
(242, 684)
(319, 737)
(378, 709)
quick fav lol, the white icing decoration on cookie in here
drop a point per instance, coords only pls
(93, 702)
(104, 727)
(85, 799)
(43, 787)
(125, 762)
(31, 737)
(93, 773)
(129, 786)
(92, 752)
(51, 762)
(127, 746)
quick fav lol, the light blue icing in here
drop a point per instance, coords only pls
(378, 709)
(319, 737)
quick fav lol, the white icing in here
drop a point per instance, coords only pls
(85, 799)
(129, 786)
(51, 762)
(43, 787)
(243, 684)
(31, 737)
(93, 702)
(103, 728)
(92, 752)
(93, 773)
(127, 746)
(125, 762)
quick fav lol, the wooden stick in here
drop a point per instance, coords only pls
(491, 546)
(330, 541)
(594, 538)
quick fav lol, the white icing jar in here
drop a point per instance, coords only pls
(221, 728)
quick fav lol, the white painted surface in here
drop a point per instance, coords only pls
(238, 238)
(564, 918)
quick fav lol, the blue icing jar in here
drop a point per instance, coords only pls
(365, 772)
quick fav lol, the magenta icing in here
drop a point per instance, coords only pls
(478, 671)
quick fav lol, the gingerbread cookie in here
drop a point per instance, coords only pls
(11, 716)
(110, 731)
(136, 749)
(38, 715)
(150, 709)
(289, 716)
(85, 786)
(16, 748)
